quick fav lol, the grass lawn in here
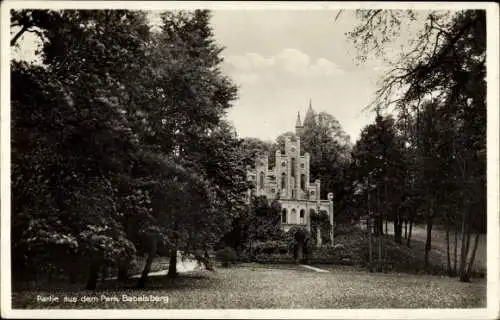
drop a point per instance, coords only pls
(253, 286)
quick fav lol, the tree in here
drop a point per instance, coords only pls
(329, 147)
(253, 148)
(443, 72)
(79, 143)
(378, 164)
(112, 121)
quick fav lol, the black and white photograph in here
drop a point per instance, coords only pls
(249, 160)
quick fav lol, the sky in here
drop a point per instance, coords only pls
(281, 59)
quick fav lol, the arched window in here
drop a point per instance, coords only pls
(283, 215)
(261, 180)
(293, 167)
(302, 216)
(303, 181)
(283, 180)
(293, 216)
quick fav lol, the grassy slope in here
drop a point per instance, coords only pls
(258, 286)
(402, 258)
(438, 245)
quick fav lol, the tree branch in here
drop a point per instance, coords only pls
(18, 35)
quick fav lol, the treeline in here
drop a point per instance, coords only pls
(426, 162)
(119, 147)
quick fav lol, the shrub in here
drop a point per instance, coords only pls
(269, 247)
(274, 258)
(244, 256)
(226, 256)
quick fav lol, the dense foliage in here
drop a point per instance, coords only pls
(118, 142)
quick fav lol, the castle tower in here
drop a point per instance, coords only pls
(298, 125)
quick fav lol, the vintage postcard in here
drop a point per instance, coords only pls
(249, 160)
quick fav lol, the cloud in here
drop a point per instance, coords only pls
(252, 67)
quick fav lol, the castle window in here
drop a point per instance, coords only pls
(302, 214)
(302, 181)
(294, 215)
(283, 164)
(293, 167)
(261, 182)
(283, 181)
(302, 165)
(283, 216)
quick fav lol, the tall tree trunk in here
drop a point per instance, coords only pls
(370, 241)
(153, 249)
(172, 266)
(463, 249)
(455, 249)
(381, 225)
(464, 276)
(408, 241)
(473, 255)
(406, 228)
(93, 275)
(448, 256)
(379, 264)
(73, 272)
(428, 240)
(147, 268)
(123, 270)
(395, 228)
(399, 233)
(385, 205)
(398, 228)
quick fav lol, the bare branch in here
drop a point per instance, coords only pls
(18, 35)
(37, 32)
(338, 14)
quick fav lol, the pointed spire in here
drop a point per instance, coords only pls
(309, 115)
(298, 123)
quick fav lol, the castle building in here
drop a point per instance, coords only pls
(290, 182)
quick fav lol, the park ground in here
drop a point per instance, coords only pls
(254, 286)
